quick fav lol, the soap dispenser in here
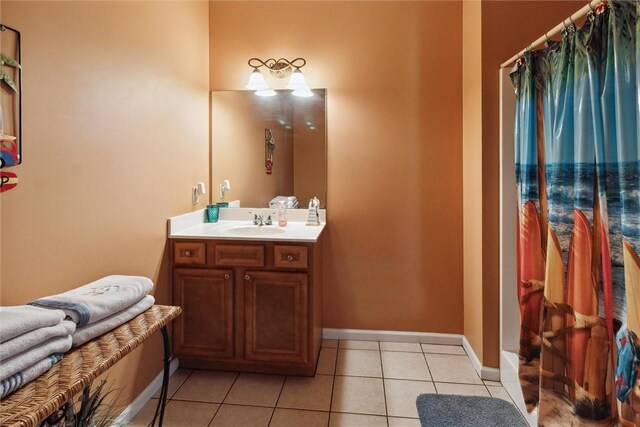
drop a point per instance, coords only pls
(282, 214)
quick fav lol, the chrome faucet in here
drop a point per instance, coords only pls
(260, 221)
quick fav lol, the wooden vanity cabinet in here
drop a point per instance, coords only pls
(248, 305)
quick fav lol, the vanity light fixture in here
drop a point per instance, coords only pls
(281, 69)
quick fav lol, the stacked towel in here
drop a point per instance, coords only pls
(290, 202)
(17, 320)
(34, 337)
(19, 379)
(32, 340)
(87, 333)
(93, 302)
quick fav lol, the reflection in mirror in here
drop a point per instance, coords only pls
(283, 134)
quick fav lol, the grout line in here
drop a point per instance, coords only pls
(278, 399)
(180, 386)
(384, 389)
(225, 397)
(333, 383)
(429, 370)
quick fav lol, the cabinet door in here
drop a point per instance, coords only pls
(276, 317)
(205, 327)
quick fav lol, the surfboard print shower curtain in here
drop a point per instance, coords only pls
(577, 145)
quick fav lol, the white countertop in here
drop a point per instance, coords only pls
(237, 224)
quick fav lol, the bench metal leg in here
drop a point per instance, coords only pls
(165, 380)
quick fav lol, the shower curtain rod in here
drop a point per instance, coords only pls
(555, 30)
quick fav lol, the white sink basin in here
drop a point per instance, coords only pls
(253, 230)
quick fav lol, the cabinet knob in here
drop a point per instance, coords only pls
(289, 257)
(187, 253)
(247, 277)
(226, 276)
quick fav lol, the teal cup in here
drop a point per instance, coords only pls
(223, 204)
(213, 211)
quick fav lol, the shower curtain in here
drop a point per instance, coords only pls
(577, 144)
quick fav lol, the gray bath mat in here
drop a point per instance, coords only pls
(445, 410)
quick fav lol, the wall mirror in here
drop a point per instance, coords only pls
(249, 131)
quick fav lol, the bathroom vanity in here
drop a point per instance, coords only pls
(251, 296)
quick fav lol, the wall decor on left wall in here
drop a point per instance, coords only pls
(10, 102)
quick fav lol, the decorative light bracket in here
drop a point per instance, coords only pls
(281, 69)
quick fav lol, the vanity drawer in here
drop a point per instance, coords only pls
(239, 255)
(190, 253)
(290, 256)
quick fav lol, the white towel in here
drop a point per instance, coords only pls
(21, 319)
(97, 300)
(36, 337)
(27, 375)
(21, 361)
(82, 335)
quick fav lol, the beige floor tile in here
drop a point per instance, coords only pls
(145, 415)
(412, 347)
(443, 349)
(255, 390)
(462, 389)
(206, 386)
(359, 345)
(354, 420)
(358, 395)
(401, 396)
(307, 393)
(499, 392)
(359, 363)
(175, 381)
(295, 418)
(330, 343)
(327, 361)
(179, 413)
(403, 422)
(452, 368)
(242, 416)
(405, 366)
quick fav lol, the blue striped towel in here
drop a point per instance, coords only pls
(27, 375)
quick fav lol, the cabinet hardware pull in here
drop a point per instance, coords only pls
(289, 257)
(187, 253)
(246, 277)
(226, 277)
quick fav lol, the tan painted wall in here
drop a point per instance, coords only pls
(507, 27)
(116, 112)
(393, 252)
(472, 170)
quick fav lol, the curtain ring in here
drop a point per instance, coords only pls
(546, 37)
(573, 24)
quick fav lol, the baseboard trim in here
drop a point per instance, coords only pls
(402, 336)
(485, 372)
(142, 399)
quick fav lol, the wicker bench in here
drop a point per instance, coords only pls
(34, 402)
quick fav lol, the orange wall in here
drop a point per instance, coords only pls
(507, 27)
(472, 170)
(393, 252)
(116, 114)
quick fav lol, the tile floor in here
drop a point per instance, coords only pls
(357, 383)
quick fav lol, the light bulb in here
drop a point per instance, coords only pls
(303, 93)
(256, 81)
(297, 80)
(266, 92)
